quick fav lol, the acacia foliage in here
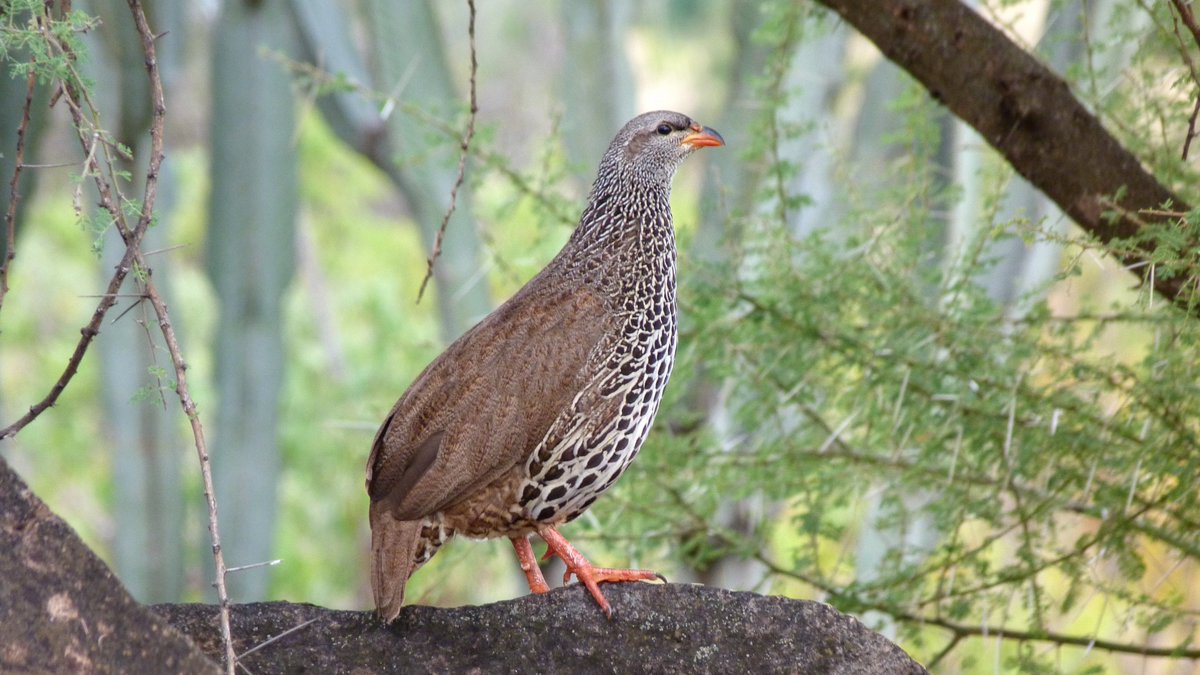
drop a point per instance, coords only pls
(1036, 460)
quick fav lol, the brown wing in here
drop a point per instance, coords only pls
(482, 406)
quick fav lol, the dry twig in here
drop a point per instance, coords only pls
(100, 165)
(168, 331)
(1184, 9)
(14, 193)
(464, 147)
(88, 138)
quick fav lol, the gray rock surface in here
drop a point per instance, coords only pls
(655, 628)
(61, 608)
(63, 611)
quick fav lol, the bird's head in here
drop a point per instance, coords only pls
(650, 147)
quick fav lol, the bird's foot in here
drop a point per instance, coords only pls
(614, 574)
(529, 565)
(588, 575)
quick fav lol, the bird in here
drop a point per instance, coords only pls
(529, 416)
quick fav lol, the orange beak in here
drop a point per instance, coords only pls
(703, 137)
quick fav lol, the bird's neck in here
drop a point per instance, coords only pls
(625, 247)
(624, 222)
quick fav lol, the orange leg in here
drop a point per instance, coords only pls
(529, 565)
(590, 576)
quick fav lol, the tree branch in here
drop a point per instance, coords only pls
(961, 630)
(14, 193)
(90, 139)
(964, 630)
(100, 165)
(1184, 9)
(464, 147)
(1030, 116)
(168, 331)
(853, 599)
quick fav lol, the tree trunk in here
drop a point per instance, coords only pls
(250, 251)
(1028, 114)
(407, 60)
(597, 82)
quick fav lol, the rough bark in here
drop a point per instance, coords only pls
(655, 628)
(1026, 112)
(62, 610)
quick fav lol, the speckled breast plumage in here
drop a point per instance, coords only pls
(582, 455)
(568, 471)
(592, 442)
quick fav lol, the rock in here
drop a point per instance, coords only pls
(63, 611)
(655, 628)
(61, 608)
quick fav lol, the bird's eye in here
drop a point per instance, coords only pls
(664, 129)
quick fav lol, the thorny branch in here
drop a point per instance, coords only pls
(550, 203)
(14, 192)
(87, 137)
(1188, 17)
(1191, 131)
(839, 597)
(172, 342)
(99, 152)
(464, 147)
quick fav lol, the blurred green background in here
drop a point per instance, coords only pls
(906, 386)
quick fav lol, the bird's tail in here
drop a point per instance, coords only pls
(394, 545)
(398, 548)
